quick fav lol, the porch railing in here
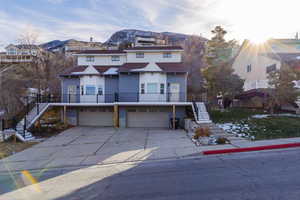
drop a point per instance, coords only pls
(113, 97)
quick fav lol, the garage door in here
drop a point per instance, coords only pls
(148, 119)
(95, 118)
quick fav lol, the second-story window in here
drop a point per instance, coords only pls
(12, 51)
(167, 55)
(139, 55)
(90, 58)
(162, 88)
(100, 90)
(249, 68)
(115, 58)
(143, 88)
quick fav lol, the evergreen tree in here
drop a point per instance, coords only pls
(219, 73)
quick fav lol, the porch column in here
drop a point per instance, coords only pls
(65, 115)
(116, 116)
(174, 115)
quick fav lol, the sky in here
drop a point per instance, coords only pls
(256, 20)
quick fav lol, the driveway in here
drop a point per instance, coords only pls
(86, 146)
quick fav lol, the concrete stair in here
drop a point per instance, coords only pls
(202, 115)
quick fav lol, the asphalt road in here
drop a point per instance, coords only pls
(264, 175)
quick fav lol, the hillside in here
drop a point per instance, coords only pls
(128, 35)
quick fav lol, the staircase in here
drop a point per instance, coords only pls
(200, 113)
(29, 120)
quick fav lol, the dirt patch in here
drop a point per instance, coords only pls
(8, 148)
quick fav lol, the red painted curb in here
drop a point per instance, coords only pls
(259, 148)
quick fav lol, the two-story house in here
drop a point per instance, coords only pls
(135, 87)
(254, 62)
(20, 53)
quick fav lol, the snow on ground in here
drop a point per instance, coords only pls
(238, 129)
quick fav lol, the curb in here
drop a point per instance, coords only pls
(258, 148)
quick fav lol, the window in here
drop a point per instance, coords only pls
(12, 51)
(90, 90)
(90, 58)
(82, 90)
(151, 87)
(100, 90)
(115, 58)
(162, 88)
(249, 68)
(271, 68)
(143, 88)
(167, 55)
(139, 55)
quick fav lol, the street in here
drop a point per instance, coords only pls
(256, 175)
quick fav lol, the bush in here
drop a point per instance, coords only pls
(222, 140)
(202, 132)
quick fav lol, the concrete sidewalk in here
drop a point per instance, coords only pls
(244, 143)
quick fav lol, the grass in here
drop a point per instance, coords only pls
(271, 127)
(8, 148)
(232, 115)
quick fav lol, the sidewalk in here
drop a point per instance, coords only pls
(236, 144)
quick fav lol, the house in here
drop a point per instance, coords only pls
(142, 40)
(142, 83)
(22, 53)
(254, 62)
(70, 47)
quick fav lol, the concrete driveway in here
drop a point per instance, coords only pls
(86, 146)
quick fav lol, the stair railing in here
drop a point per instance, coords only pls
(196, 110)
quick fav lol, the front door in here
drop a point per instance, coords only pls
(72, 93)
(174, 92)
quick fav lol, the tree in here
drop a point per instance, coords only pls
(219, 73)
(221, 79)
(218, 50)
(282, 87)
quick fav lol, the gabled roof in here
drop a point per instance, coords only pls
(79, 70)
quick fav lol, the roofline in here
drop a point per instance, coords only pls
(100, 54)
(154, 50)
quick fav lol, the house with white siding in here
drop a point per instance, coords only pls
(23, 53)
(254, 62)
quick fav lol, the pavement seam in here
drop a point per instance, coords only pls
(106, 141)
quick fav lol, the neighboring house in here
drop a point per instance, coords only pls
(135, 87)
(254, 62)
(19, 53)
(72, 46)
(141, 40)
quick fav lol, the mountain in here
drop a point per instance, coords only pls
(53, 44)
(128, 35)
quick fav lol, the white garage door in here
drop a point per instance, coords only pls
(148, 119)
(95, 118)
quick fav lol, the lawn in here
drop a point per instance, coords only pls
(256, 124)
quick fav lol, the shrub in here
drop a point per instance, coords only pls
(202, 132)
(222, 140)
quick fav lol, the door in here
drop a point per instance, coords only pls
(72, 93)
(148, 119)
(94, 117)
(174, 92)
